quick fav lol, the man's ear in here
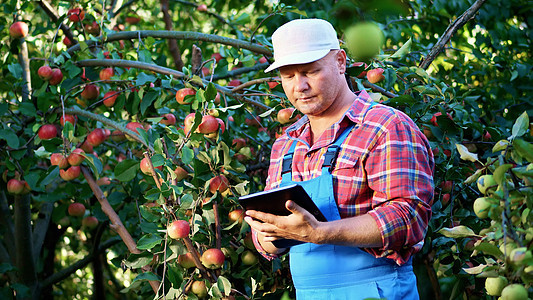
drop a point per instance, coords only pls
(340, 58)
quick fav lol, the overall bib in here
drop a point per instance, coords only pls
(341, 272)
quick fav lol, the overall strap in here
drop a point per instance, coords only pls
(286, 167)
(333, 150)
(331, 153)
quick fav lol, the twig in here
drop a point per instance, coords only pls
(218, 234)
(164, 71)
(116, 223)
(449, 32)
(378, 89)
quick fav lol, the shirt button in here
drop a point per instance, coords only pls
(308, 155)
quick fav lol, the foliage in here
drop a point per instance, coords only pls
(473, 104)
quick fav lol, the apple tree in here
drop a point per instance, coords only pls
(129, 130)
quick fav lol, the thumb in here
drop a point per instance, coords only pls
(293, 207)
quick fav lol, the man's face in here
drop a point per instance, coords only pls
(313, 87)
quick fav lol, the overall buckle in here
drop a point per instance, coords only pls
(331, 156)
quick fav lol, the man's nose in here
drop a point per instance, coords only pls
(301, 83)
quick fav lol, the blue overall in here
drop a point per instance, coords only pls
(341, 272)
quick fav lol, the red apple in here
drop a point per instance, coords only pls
(87, 147)
(68, 118)
(70, 173)
(209, 124)
(96, 137)
(76, 209)
(145, 167)
(76, 14)
(255, 122)
(132, 20)
(47, 131)
(110, 98)
(446, 186)
(106, 73)
(199, 289)
(168, 119)
(234, 82)
(285, 114)
(89, 222)
(272, 84)
(213, 258)
(238, 143)
(133, 126)
(103, 180)
(57, 77)
(178, 229)
(67, 42)
(90, 92)
(263, 60)
(363, 73)
(375, 75)
(118, 136)
(45, 72)
(218, 183)
(75, 159)
(93, 28)
(182, 93)
(18, 30)
(236, 215)
(181, 173)
(217, 56)
(435, 115)
(186, 260)
(201, 7)
(58, 159)
(15, 186)
(445, 199)
(487, 136)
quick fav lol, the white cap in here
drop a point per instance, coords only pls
(302, 41)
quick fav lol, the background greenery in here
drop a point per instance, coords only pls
(480, 83)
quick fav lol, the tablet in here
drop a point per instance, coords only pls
(273, 202)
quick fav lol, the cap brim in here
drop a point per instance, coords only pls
(298, 58)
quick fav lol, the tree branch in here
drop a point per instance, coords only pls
(172, 43)
(164, 71)
(116, 223)
(24, 62)
(449, 32)
(25, 260)
(52, 13)
(378, 89)
(41, 227)
(57, 277)
(179, 35)
(7, 224)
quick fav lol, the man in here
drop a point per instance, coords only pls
(367, 167)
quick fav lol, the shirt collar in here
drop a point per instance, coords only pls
(355, 113)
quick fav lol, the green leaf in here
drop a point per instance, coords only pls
(405, 49)
(465, 154)
(489, 249)
(499, 173)
(148, 99)
(126, 170)
(520, 126)
(16, 70)
(187, 155)
(27, 109)
(144, 78)
(94, 163)
(149, 241)
(524, 148)
(475, 270)
(457, 232)
(138, 260)
(10, 137)
(500, 146)
(148, 215)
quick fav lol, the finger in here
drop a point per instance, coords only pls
(264, 217)
(293, 207)
(264, 228)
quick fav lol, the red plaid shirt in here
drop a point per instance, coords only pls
(385, 169)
